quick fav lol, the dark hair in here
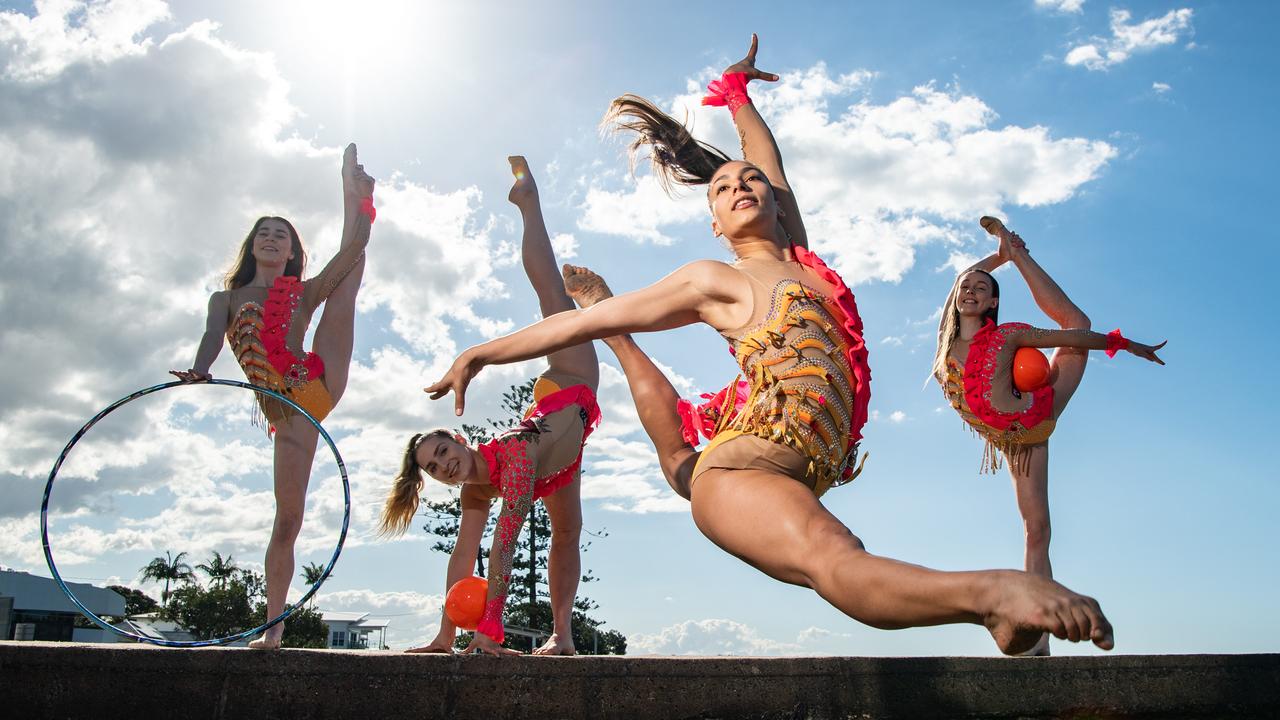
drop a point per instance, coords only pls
(402, 501)
(678, 157)
(245, 267)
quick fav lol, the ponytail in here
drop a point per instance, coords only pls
(402, 502)
(678, 157)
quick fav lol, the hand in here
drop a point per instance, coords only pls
(485, 644)
(190, 375)
(1146, 352)
(457, 379)
(748, 64)
(356, 183)
(524, 190)
(1011, 245)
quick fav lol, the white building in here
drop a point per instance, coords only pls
(35, 608)
(352, 630)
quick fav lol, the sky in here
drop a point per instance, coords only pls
(1130, 144)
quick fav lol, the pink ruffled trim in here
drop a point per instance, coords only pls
(1116, 342)
(277, 317)
(579, 395)
(730, 89)
(979, 368)
(702, 419)
(857, 354)
(491, 622)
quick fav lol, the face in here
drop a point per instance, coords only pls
(446, 460)
(272, 243)
(975, 296)
(742, 201)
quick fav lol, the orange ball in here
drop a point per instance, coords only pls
(1030, 369)
(464, 604)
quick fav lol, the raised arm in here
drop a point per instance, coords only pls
(215, 328)
(761, 149)
(700, 291)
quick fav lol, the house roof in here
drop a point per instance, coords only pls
(33, 592)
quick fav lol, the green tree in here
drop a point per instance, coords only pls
(215, 611)
(305, 628)
(169, 569)
(528, 603)
(311, 574)
(136, 602)
(218, 569)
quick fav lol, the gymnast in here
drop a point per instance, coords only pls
(264, 312)
(793, 429)
(974, 365)
(540, 458)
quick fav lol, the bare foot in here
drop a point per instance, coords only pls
(1024, 607)
(557, 645)
(584, 286)
(268, 641)
(1040, 649)
(524, 191)
(433, 648)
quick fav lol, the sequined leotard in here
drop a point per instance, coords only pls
(969, 388)
(801, 402)
(266, 332)
(558, 422)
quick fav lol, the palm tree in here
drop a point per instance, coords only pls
(168, 568)
(311, 574)
(218, 569)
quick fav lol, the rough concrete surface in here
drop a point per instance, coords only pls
(67, 680)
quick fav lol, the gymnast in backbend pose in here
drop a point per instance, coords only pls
(539, 458)
(792, 430)
(264, 313)
(974, 366)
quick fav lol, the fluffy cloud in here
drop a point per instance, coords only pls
(1062, 6)
(1128, 38)
(876, 181)
(716, 636)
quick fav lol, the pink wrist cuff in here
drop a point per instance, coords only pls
(730, 90)
(367, 208)
(1116, 342)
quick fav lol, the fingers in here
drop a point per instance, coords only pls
(459, 400)
(755, 44)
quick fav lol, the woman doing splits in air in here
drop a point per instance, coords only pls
(264, 313)
(974, 365)
(540, 458)
(798, 340)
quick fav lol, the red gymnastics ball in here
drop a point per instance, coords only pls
(464, 604)
(1030, 369)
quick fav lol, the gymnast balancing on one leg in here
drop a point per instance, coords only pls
(539, 458)
(974, 364)
(264, 313)
(794, 326)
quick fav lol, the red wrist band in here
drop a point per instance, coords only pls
(730, 89)
(367, 208)
(1116, 342)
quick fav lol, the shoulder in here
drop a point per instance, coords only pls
(710, 277)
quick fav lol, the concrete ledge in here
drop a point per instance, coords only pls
(67, 680)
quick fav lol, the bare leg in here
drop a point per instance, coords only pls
(295, 448)
(1031, 488)
(335, 335)
(776, 524)
(540, 265)
(564, 565)
(654, 395)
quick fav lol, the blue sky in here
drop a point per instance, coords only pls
(142, 138)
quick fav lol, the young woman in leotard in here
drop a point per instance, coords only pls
(974, 366)
(540, 458)
(263, 313)
(797, 335)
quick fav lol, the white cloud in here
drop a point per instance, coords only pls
(897, 417)
(414, 618)
(894, 340)
(1063, 6)
(564, 245)
(1161, 88)
(876, 182)
(716, 636)
(1129, 38)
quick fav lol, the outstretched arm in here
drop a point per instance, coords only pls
(1085, 340)
(700, 291)
(761, 149)
(215, 327)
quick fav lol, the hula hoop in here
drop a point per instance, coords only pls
(44, 516)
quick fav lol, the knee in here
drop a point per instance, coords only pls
(1077, 320)
(287, 526)
(566, 533)
(828, 548)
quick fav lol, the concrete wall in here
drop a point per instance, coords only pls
(61, 680)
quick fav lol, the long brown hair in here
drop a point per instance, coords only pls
(242, 273)
(949, 322)
(402, 501)
(678, 157)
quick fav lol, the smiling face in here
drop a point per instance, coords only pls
(446, 460)
(742, 201)
(977, 294)
(273, 242)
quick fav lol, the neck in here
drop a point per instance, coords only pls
(481, 475)
(265, 275)
(766, 248)
(970, 325)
